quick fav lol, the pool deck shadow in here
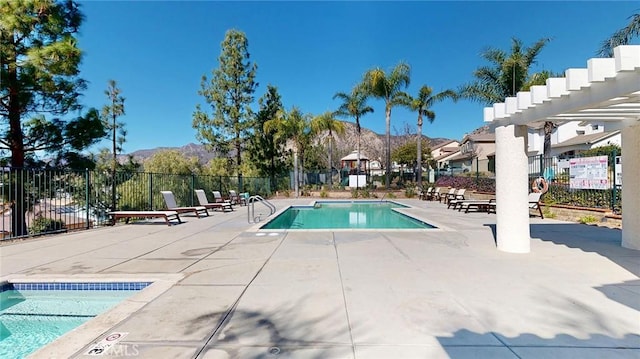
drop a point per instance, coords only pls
(232, 291)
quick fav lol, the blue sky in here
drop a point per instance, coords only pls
(158, 51)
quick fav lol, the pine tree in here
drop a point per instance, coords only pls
(230, 94)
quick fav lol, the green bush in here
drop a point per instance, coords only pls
(410, 192)
(324, 193)
(587, 219)
(41, 225)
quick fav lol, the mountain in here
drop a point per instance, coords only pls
(372, 145)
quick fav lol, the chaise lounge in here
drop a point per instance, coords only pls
(204, 202)
(170, 201)
(534, 203)
(127, 215)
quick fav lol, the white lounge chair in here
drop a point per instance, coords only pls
(455, 198)
(204, 202)
(170, 201)
(534, 203)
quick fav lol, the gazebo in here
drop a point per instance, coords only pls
(350, 162)
(607, 90)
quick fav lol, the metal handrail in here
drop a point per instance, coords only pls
(251, 217)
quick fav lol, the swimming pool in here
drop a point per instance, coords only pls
(346, 215)
(34, 314)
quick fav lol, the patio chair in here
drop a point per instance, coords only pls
(534, 203)
(455, 198)
(479, 204)
(204, 202)
(235, 198)
(422, 194)
(435, 195)
(450, 195)
(170, 201)
(217, 198)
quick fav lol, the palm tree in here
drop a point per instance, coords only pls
(508, 74)
(354, 105)
(421, 104)
(328, 122)
(293, 126)
(388, 87)
(540, 78)
(621, 37)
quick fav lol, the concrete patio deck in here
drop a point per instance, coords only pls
(225, 290)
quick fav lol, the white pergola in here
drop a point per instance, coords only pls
(608, 90)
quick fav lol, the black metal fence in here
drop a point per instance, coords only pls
(558, 179)
(35, 202)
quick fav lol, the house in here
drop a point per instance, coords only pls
(476, 154)
(577, 144)
(569, 138)
(445, 148)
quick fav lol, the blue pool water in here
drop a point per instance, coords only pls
(34, 314)
(345, 215)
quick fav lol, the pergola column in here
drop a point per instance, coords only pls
(512, 209)
(630, 184)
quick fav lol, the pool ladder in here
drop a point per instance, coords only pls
(251, 211)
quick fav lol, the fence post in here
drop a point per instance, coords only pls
(193, 187)
(614, 193)
(86, 194)
(541, 165)
(151, 191)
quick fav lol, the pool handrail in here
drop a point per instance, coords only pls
(251, 217)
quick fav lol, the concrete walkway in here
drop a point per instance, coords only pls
(225, 290)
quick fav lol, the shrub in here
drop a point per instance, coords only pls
(482, 184)
(41, 225)
(548, 213)
(410, 192)
(324, 193)
(587, 219)
(354, 193)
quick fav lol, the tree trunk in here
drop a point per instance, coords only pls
(388, 149)
(239, 162)
(295, 173)
(330, 159)
(419, 154)
(548, 129)
(16, 144)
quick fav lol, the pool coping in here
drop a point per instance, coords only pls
(93, 330)
(406, 210)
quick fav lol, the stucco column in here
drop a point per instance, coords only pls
(512, 190)
(631, 186)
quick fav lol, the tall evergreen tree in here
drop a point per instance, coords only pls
(230, 94)
(39, 76)
(265, 148)
(116, 130)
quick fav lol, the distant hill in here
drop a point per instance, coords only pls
(372, 145)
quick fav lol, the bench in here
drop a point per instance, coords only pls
(167, 215)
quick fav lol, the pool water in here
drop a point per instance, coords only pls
(31, 319)
(346, 215)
